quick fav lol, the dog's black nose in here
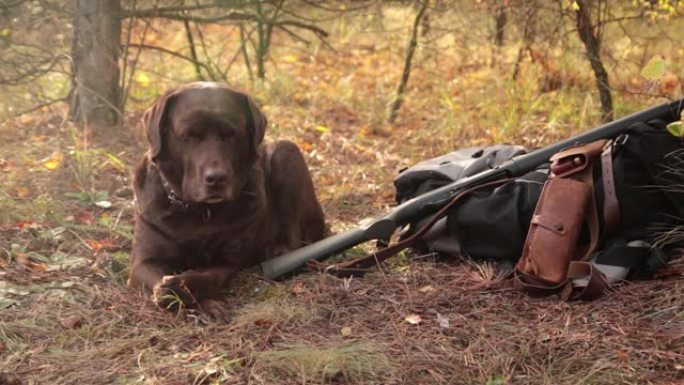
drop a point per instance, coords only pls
(215, 177)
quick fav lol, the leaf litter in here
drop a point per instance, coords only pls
(63, 320)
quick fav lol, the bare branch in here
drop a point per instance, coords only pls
(35, 108)
(134, 64)
(177, 9)
(158, 13)
(318, 31)
(36, 68)
(294, 35)
(168, 51)
(6, 4)
(317, 4)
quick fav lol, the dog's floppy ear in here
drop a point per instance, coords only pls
(154, 120)
(258, 121)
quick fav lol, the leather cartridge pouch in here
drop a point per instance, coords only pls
(552, 239)
(577, 163)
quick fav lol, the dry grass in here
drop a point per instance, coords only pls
(356, 362)
(358, 334)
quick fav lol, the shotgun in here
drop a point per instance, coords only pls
(382, 228)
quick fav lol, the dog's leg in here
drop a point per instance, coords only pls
(153, 255)
(155, 259)
(298, 214)
(146, 274)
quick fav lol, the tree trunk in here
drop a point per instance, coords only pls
(264, 32)
(243, 48)
(263, 43)
(193, 50)
(96, 49)
(529, 32)
(410, 50)
(500, 20)
(379, 16)
(591, 39)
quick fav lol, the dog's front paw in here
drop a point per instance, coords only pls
(214, 309)
(172, 293)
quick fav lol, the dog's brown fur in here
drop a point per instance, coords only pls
(212, 197)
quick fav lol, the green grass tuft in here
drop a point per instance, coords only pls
(355, 362)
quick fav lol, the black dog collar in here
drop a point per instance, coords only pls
(175, 200)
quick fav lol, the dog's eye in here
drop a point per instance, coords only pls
(192, 136)
(226, 135)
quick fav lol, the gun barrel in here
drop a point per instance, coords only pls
(523, 164)
(431, 201)
(666, 111)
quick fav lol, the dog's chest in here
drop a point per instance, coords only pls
(220, 247)
(209, 232)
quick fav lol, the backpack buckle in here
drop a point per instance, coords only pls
(620, 140)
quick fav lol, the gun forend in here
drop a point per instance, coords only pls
(382, 228)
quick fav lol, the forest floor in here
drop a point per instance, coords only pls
(66, 217)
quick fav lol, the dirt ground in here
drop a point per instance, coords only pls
(67, 317)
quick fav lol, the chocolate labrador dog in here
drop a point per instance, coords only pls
(213, 198)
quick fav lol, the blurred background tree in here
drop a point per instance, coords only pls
(95, 52)
(104, 57)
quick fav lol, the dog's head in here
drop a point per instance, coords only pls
(204, 137)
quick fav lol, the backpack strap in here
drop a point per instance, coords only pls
(360, 266)
(596, 284)
(611, 206)
(533, 285)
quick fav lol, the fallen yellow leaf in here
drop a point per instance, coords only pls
(22, 192)
(142, 79)
(290, 59)
(305, 146)
(26, 260)
(413, 319)
(53, 162)
(72, 322)
(299, 288)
